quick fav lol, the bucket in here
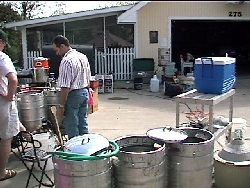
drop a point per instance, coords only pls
(140, 163)
(49, 143)
(190, 162)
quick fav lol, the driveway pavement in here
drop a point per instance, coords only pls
(131, 112)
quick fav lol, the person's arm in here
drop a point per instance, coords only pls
(12, 86)
(63, 96)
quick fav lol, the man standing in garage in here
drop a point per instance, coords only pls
(74, 80)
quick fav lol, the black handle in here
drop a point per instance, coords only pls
(203, 59)
(86, 142)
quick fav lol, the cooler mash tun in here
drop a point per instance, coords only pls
(215, 75)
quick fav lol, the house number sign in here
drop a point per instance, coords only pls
(234, 14)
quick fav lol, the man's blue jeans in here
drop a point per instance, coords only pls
(76, 113)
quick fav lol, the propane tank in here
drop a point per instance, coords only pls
(154, 84)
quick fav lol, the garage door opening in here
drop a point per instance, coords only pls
(204, 38)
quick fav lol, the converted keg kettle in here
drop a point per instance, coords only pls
(84, 163)
(189, 156)
(40, 74)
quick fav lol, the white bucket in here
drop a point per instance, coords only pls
(49, 143)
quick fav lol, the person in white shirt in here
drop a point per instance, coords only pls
(9, 120)
(74, 79)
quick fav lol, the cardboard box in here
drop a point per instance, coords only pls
(101, 83)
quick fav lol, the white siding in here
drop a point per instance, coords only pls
(156, 16)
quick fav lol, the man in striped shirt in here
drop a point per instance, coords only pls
(74, 80)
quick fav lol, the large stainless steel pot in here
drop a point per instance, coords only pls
(40, 74)
(140, 163)
(31, 109)
(84, 173)
(190, 162)
(52, 97)
(189, 156)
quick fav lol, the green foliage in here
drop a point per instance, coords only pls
(11, 11)
(7, 14)
(15, 51)
(60, 8)
(38, 9)
(118, 3)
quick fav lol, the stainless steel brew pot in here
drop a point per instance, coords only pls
(40, 74)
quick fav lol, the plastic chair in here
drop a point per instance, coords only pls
(28, 151)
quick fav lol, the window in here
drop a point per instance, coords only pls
(153, 37)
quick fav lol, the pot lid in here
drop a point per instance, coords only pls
(167, 134)
(88, 144)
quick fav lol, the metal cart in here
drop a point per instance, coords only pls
(194, 97)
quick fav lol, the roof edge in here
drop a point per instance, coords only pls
(129, 16)
(66, 16)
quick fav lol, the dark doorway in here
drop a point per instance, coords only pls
(204, 38)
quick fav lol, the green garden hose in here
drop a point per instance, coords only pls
(80, 157)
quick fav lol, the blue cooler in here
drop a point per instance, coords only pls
(215, 75)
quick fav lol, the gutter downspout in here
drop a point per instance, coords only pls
(136, 40)
(104, 42)
(64, 31)
(25, 50)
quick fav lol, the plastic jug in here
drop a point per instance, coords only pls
(154, 84)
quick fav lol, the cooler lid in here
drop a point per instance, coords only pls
(215, 60)
(167, 134)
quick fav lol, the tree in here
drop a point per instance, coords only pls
(7, 14)
(61, 8)
(123, 3)
(117, 3)
(11, 11)
(37, 9)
